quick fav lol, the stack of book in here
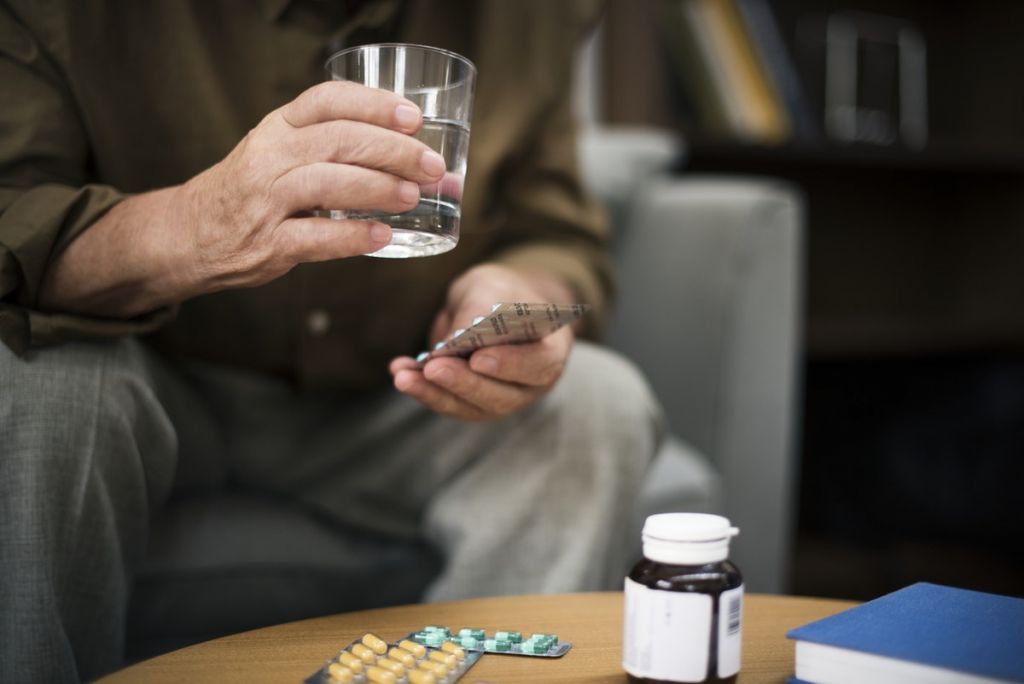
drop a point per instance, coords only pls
(923, 634)
(739, 76)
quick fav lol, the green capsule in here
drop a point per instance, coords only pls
(437, 628)
(514, 637)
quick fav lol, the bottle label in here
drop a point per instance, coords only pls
(666, 634)
(730, 631)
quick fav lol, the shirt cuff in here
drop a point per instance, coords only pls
(23, 329)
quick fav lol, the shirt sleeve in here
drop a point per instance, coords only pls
(552, 223)
(46, 199)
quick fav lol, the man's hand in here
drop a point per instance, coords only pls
(495, 381)
(245, 220)
(339, 145)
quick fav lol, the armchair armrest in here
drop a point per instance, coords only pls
(709, 308)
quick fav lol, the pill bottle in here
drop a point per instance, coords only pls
(684, 603)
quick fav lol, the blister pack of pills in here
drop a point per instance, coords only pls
(501, 642)
(507, 323)
(373, 660)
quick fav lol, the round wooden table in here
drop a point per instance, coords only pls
(592, 622)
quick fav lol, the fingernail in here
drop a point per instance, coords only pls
(409, 192)
(487, 365)
(407, 116)
(380, 233)
(444, 377)
(432, 163)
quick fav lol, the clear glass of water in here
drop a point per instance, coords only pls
(441, 83)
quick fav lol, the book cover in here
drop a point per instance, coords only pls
(718, 81)
(713, 39)
(980, 635)
(691, 71)
(771, 48)
(771, 115)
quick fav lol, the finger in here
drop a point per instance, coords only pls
(452, 185)
(333, 100)
(537, 364)
(402, 363)
(449, 187)
(308, 239)
(346, 187)
(413, 384)
(362, 144)
(491, 396)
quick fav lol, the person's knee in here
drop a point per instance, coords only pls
(601, 383)
(66, 402)
(606, 401)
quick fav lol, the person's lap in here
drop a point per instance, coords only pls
(532, 503)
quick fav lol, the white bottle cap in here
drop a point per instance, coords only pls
(687, 538)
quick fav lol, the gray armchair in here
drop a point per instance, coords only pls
(710, 308)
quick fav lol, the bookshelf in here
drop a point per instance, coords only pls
(910, 251)
(914, 265)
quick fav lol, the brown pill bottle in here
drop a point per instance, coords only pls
(684, 603)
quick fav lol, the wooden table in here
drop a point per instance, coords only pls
(592, 622)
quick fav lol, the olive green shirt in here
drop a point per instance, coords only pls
(102, 99)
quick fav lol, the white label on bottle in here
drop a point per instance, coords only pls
(666, 634)
(730, 631)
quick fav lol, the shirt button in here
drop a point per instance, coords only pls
(318, 322)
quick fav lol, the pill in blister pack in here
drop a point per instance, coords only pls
(371, 660)
(502, 642)
(508, 323)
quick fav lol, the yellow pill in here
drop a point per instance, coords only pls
(392, 665)
(454, 650)
(421, 677)
(364, 654)
(418, 650)
(375, 644)
(380, 675)
(402, 656)
(447, 658)
(350, 661)
(340, 673)
(437, 668)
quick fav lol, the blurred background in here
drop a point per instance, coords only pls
(901, 126)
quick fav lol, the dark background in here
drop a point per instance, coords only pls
(912, 434)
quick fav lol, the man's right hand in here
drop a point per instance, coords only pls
(246, 220)
(338, 145)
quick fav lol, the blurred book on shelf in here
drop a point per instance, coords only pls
(780, 67)
(736, 70)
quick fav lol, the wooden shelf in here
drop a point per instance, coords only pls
(937, 159)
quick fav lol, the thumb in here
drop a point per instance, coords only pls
(308, 238)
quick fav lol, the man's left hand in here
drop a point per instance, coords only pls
(495, 381)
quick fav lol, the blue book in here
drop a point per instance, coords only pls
(923, 633)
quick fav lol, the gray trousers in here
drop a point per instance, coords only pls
(95, 437)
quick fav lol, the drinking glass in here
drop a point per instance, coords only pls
(441, 83)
